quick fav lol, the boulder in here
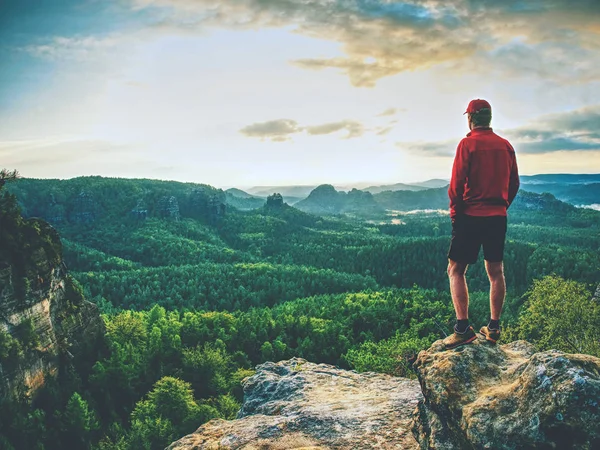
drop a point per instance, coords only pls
(296, 404)
(483, 396)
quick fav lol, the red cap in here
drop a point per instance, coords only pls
(476, 105)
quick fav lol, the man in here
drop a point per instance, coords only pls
(485, 181)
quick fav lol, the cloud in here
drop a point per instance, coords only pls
(573, 130)
(441, 148)
(281, 130)
(274, 130)
(382, 131)
(80, 48)
(354, 129)
(381, 38)
(559, 62)
(577, 130)
(388, 112)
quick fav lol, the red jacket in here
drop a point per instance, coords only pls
(485, 177)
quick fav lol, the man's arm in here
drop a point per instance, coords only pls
(460, 172)
(514, 183)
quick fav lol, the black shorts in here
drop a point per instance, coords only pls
(469, 233)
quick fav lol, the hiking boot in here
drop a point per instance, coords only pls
(457, 339)
(490, 334)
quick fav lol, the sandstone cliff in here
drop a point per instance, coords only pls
(44, 320)
(479, 396)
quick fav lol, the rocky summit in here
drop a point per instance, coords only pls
(479, 396)
(483, 396)
(296, 404)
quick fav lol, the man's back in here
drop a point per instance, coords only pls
(485, 176)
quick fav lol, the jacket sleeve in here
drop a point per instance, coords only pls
(514, 183)
(460, 173)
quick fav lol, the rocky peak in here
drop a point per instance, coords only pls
(480, 396)
(324, 199)
(275, 200)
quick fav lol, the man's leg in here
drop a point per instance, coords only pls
(464, 247)
(463, 332)
(493, 252)
(495, 271)
(458, 288)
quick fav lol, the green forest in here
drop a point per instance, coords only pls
(195, 292)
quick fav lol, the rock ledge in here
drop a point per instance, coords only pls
(296, 404)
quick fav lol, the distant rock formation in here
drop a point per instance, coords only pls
(297, 404)
(217, 209)
(507, 397)
(56, 211)
(45, 323)
(208, 204)
(325, 200)
(275, 200)
(168, 207)
(85, 209)
(140, 212)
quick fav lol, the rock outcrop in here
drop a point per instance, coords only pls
(207, 203)
(56, 325)
(297, 404)
(168, 207)
(44, 320)
(505, 397)
(480, 396)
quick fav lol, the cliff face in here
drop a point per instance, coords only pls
(297, 404)
(44, 320)
(47, 329)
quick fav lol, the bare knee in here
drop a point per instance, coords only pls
(456, 269)
(495, 270)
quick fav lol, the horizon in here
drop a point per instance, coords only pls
(268, 93)
(338, 186)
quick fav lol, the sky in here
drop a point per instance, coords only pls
(278, 92)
